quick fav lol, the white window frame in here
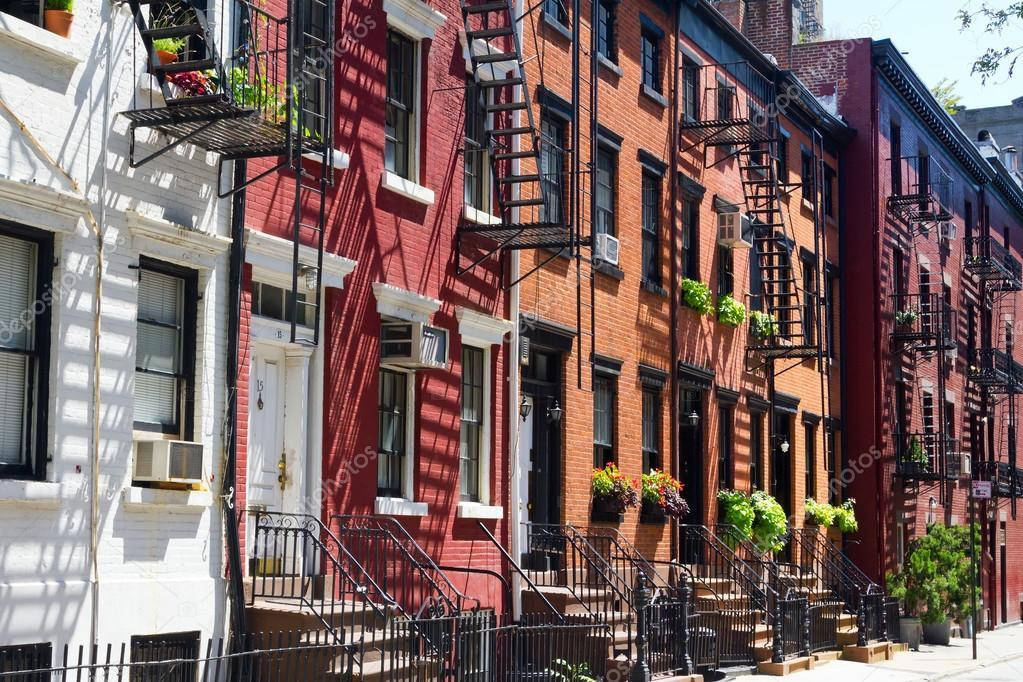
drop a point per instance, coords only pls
(406, 504)
(485, 429)
(470, 212)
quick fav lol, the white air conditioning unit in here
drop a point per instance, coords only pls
(965, 465)
(605, 248)
(413, 345)
(948, 230)
(168, 461)
(733, 229)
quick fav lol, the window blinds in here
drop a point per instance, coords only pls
(18, 260)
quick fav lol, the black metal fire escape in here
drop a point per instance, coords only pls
(269, 96)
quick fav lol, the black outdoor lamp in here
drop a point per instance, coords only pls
(694, 418)
(524, 408)
(554, 413)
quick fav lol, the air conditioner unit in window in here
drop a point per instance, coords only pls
(734, 230)
(413, 345)
(948, 230)
(965, 465)
(168, 461)
(605, 249)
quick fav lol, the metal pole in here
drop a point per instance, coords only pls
(973, 572)
(641, 668)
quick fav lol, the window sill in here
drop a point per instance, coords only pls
(478, 510)
(653, 288)
(39, 39)
(657, 97)
(610, 270)
(556, 25)
(396, 506)
(40, 494)
(135, 497)
(339, 159)
(609, 65)
(475, 215)
(406, 188)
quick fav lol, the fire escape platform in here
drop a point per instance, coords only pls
(514, 236)
(918, 208)
(726, 132)
(780, 351)
(221, 127)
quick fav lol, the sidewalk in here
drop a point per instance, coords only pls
(928, 664)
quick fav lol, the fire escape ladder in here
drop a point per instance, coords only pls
(525, 168)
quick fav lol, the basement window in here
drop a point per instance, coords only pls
(180, 650)
(24, 657)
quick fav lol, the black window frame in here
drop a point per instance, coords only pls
(651, 419)
(810, 297)
(607, 213)
(726, 271)
(650, 60)
(472, 382)
(810, 453)
(393, 457)
(782, 149)
(832, 281)
(189, 333)
(690, 241)
(607, 30)
(20, 658)
(651, 228)
(690, 91)
(396, 105)
(726, 443)
(829, 192)
(895, 142)
(180, 647)
(553, 133)
(556, 10)
(831, 463)
(476, 158)
(808, 176)
(758, 421)
(37, 395)
(604, 451)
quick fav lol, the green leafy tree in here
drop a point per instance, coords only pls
(945, 92)
(997, 19)
(935, 579)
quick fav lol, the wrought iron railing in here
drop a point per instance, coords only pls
(921, 189)
(824, 618)
(925, 320)
(926, 456)
(993, 369)
(990, 260)
(725, 104)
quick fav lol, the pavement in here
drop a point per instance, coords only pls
(999, 659)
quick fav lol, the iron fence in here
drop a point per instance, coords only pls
(824, 618)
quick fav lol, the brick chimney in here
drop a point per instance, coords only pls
(734, 11)
(770, 25)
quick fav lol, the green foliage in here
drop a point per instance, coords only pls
(174, 45)
(905, 317)
(821, 514)
(769, 522)
(63, 5)
(762, 325)
(563, 671)
(994, 20)
(917, 453)
(936, 575)
(664, 490)
(845, 516)
(730, 311)
(696, 295)
(737, 512)
(612, 485)
(945, 92)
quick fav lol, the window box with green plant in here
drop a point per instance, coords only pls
(824, 515)
(57, 16)
(696, 295)
(762, 325)
(730, 312)
(905, 319)
(916, 459)
(661, 496)
(168, 49)
(613, 493)
(757, 517)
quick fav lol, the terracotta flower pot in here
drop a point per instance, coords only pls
(166, 57)
(58, 21)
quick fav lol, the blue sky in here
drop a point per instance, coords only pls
(928, 32)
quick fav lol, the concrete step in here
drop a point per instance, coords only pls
(280, 615)
(872, 653)
(793, 665)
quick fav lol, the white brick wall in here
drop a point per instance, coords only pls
(160, 569)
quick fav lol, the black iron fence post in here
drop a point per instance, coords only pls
(861, 621)
(684, 594)
(641, 595)
(806, 625)
(883, 615)
(777, 645)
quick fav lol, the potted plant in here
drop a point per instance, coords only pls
(696, 295)
(167, 49)
(934, 583)
(762, 325)
(905, 319)
(844, 516)
(819, 514)
(57, 17)
(769, 522)
(730, 311)
(613, 492)
(736, 510)
(661, 496)
(916, 460)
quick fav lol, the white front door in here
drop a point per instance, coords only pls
(525, 458)
(265, 447)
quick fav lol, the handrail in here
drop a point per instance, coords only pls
(518, 569)
(771, 567)
(577, 539)
(831, 570)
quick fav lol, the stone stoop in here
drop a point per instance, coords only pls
(788, 667)
(822, 657)
(872, 653)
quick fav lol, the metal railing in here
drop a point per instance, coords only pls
(926, 456)
(923, 317)
(993, 368)
(832, 570)
(400, 566)
(824, 618)
(921, 189)
(990, 260)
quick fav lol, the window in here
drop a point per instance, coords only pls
(603, 421)
(313, 96)
(725, 468)
(690, 239)
(829, 192)
(607, 171)
(24, 657)
(652, 229)
(783, 159)
(809, 177)
(810, 436)
(606, 26)
(809, 301)
(831, 462)
(393, 404)
(275, 303)
(895, 140)
(756, 283)
(726, 275)
(552, 168)
(400, 123)
(556, 10)
(899, 271)
(165, 348)
(181, 649)
(968, 225)
(650, 44)
(756, 450)
(26, 10)
(725, 101)
(474, 415)
(475, 146)
(831, 281)
(901, 409)
(690, 91)
(651, 429)
(26, 258)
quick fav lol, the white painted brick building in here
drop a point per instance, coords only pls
(64, 174)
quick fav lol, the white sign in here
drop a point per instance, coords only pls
(982, 490)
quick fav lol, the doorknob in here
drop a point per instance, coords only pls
(282, 466)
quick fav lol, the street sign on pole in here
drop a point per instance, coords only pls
(981, 490)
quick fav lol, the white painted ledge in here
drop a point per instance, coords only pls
(161, 230)
(475, 510)
(474, 215)
(396, 506)
(38, 494)
(340, 160)
(406, 188)
(39, 40)
(135, 497)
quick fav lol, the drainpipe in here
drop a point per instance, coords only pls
(673, 168)
(236, 590)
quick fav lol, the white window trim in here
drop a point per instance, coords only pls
(44, 43)
(135, 497)
(271, 259)
(405, 505)
(410, 187)
(484, 463)
(469, 212)
(414, 18)
(480, 329)
(474, 215)
(405, 305)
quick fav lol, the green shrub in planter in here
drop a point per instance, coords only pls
(730, 311)
(737, 511)
(905, 318)
(62, 5)
(934, 583)
(696, 295)
(769, 522)
(821, 514)
(762, 325)
(174, 45)
(845, 516)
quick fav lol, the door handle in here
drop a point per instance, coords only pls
(282, 467)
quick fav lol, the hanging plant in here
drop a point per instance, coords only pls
(769, 522)
(736, 511)
(730, 311)
(613, 489)
(821, 514)
(845, 516)
(696, 295)
(664, 492)
(762, 325)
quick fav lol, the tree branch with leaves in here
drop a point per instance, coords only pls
(994, 18)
